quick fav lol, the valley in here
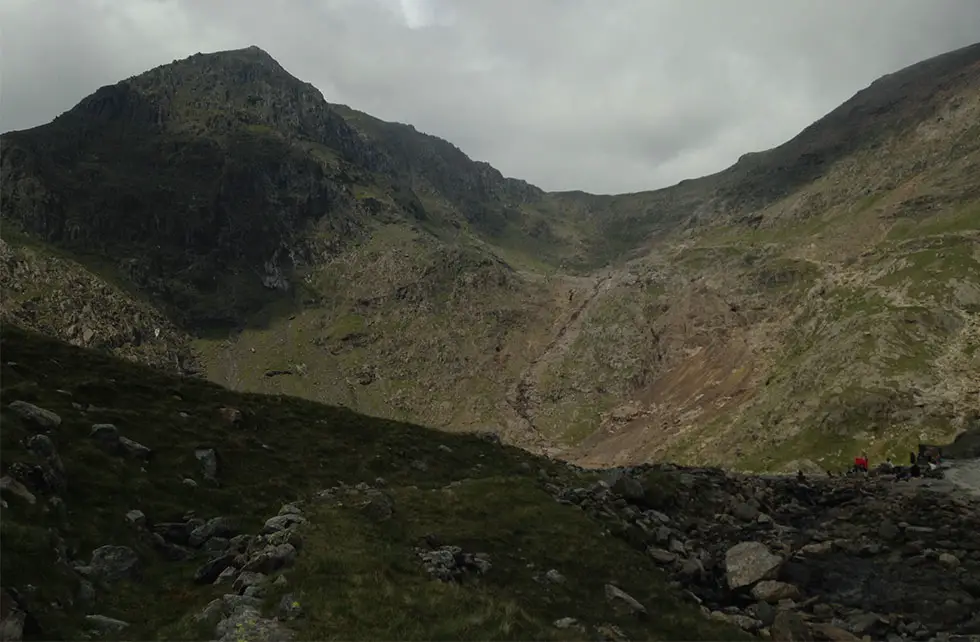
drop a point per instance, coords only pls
(275, 369)
(811, 301)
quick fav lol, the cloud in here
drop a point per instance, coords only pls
(568, 94)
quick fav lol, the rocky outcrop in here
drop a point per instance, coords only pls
(802, 559)
(61, 298)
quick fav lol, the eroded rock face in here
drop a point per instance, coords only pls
(812, 559)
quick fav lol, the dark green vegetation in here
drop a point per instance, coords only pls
(356, 578)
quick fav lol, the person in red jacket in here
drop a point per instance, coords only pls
(861, 463)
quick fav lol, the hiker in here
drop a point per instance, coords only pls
(861, 463)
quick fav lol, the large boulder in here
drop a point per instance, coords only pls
(748, 562)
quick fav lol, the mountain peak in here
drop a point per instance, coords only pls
(252, 54)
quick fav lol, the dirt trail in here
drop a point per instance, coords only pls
(567, 329)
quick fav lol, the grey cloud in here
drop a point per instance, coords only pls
(568, 94)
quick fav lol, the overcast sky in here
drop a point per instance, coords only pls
(601, 95)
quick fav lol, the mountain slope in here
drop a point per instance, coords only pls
(70, 489)
(811, 300)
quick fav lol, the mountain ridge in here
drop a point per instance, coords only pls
(384, 269)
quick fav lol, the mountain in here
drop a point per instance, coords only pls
(808, 302)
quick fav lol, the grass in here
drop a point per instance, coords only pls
(356, 579)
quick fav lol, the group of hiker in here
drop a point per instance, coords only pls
(924, 463)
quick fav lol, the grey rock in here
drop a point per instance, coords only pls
(772, 591)
(208, 460)
(888, 531)
(745, 512)
(554, 577)
(215, 546)
(105, 624)
(136, 517)
(289, 608)
(617, 595)
(226, 576)
(114, 563)
(210, 570)
(661, 556)
(290, 509)
(35, 414)
(748, 562)
(9, 485)
(380, 507)
(107, 436)
(282, 522)
(288, 536)
(271, 559)
(246, 579)
(788, 626)
(133, 449)
(215, 527)
(248, 624)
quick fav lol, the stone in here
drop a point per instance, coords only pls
(748, 562)
(888, 531)
(134, 449)
(36, 415)
(745, 512)
(790, 627)
(105, 624)
(289, 608)
(380, 507)
(290, 509)
(9, 485)
(282, 522)
(226, 576)
(245, 622)
(214, 527)
(617, 595)
(554, 577)
(114, 563)
(208, 460)
(661, 556)
(230, 416)
(565, 623)
(271, 559)
(833, 633)
(106, 435)
(629, 488)
(772, 591)
(136, 518)
(246, 579)
(212, 569)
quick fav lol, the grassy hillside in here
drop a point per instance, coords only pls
(357, 573)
